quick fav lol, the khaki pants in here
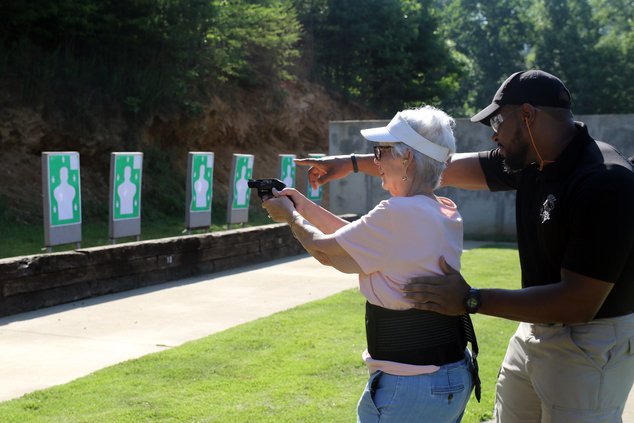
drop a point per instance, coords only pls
(567, 373)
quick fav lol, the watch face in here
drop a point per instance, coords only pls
(472, 301)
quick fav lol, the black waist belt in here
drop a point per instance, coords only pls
(413, 336)
(419, 337)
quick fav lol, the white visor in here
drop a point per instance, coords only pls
(398, 130)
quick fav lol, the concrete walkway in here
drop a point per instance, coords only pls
(56, 345)
(53, 346)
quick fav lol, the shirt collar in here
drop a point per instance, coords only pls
(568, 159)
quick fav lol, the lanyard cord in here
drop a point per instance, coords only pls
(542, 162)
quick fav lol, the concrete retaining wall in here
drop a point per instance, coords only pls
(486, 215)
(32, 282)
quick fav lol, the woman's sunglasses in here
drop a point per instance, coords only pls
(378, 151)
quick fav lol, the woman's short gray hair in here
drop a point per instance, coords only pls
(437, 126)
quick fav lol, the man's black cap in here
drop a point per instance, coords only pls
(534, 87)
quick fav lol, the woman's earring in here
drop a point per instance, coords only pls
(404, 178)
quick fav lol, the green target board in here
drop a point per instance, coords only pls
(61, 195)
(239, 192)
(126, 170)
(287, 169)
(64, 189)
(243, 172)
(127, 186)
(202, 171)
(199, 189)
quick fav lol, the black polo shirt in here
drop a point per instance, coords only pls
(577, 214)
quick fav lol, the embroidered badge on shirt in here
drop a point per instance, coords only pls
(547, 207)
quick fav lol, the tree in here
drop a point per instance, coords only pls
(492, 37)
(615, 48)
(253, 41)
(383, 53)
(144, 55)
(141, 54)
(565, 41)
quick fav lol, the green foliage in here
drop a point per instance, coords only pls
(614, 50)
(163, 193)
(587, 43)
(563, 25)
(150, 56)
(386, 54)
(253, 42)
(138, 56)
(143, 56)
(301, 365)
(491, 36)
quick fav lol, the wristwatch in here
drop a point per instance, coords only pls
(472, 300)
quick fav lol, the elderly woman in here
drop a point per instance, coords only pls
(420, 369)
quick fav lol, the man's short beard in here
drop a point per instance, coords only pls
(512, 166)
(516, 162)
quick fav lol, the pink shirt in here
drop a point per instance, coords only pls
(400, 238)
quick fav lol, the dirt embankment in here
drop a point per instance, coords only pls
(291, 119)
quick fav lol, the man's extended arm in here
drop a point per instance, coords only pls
(463, 170)
(575, 299)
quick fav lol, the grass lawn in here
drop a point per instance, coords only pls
(18, 239)
(301, 365)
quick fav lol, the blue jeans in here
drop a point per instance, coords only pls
(436, 397)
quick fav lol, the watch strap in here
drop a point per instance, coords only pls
(355, 166)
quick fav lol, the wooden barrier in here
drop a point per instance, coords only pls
(32, 282)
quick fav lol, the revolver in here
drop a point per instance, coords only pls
(265, 186)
